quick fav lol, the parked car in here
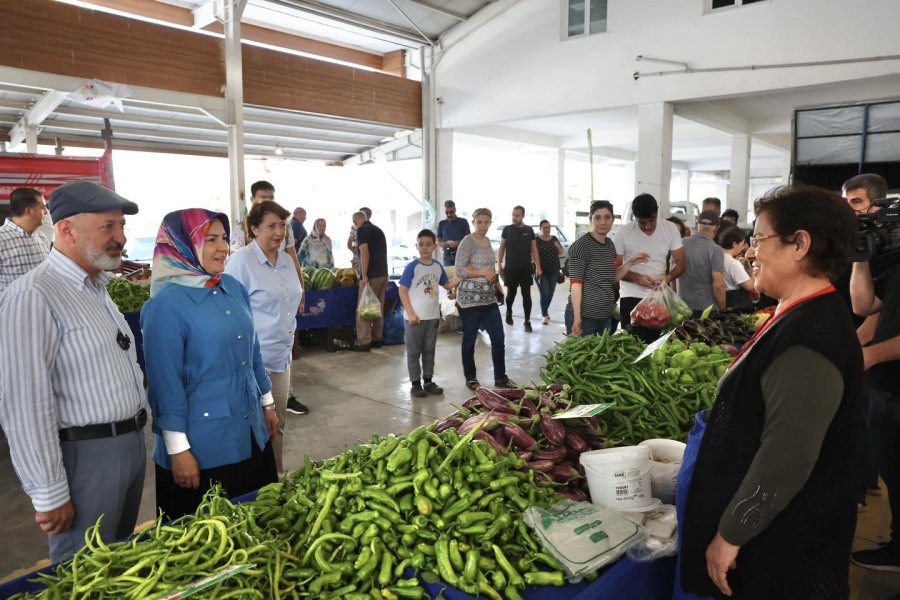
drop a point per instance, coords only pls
(400, 254)
(496, 233)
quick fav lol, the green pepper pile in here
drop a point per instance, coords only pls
(358, 526)
(127, 296)
(654, 398)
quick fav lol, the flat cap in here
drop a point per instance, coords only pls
(708, 218)
(81, 196)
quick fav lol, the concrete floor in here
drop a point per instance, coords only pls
(353, 395)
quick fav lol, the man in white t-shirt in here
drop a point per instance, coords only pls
(662, 243)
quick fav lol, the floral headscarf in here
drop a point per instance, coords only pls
(179, 245)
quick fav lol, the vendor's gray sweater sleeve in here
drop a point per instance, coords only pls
(802, 391)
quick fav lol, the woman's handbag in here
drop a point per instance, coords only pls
(560, 278)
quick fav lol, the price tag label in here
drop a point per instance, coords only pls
(585, 410)
(651, 348)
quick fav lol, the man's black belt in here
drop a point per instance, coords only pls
(104, 430)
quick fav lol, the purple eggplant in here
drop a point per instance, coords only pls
(508, 393)
(576, 442)
(553, 430)
(529, 408)
(556, 454)
(592, 423)
(555, 388)
(573, 493)
(445, 425)
(540, 465)
(491, 421)
(492, 400)
(473, 402)
(501, 436)
(521, 438)
(563, 473)
(524, 454)
(481, 434)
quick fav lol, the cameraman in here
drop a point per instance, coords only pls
(882, 360)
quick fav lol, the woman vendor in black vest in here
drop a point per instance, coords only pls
(771, 509)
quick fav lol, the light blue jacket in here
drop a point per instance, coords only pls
(205, 371)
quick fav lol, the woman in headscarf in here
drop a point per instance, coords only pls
(315, 250)
(211, 399)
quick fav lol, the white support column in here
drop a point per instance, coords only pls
(739, 183)
(561, 188)
(443, 170)
(31, 133)
(653, 171)
(786, 169)
(234, 104)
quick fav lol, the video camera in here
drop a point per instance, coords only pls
(879, 232)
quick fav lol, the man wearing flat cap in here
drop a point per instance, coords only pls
(73, 402)
(703, 282)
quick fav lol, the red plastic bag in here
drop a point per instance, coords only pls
(660, 309)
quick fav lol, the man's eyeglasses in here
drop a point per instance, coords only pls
(756, 239)
(123, 340)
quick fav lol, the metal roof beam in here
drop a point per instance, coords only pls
(353, 19)
(291, 133)
(439, 9)
(150, 134)
(35, 115)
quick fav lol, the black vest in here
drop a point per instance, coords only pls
(805, 550)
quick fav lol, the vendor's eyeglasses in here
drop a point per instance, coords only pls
(756, 239)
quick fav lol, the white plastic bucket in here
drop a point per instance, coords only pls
(666, 462)
(619, 478)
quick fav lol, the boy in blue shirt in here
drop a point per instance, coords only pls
(419, 295)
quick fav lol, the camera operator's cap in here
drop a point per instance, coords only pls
(708, 218)
(81, 196)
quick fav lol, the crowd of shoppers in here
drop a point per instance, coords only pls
(218, 334)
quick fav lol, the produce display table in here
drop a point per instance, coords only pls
(621, 580)
(336, 307)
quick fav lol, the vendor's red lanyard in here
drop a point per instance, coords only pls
(768, 324)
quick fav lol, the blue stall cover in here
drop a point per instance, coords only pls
(337, 307)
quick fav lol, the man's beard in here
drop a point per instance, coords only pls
(103, 261)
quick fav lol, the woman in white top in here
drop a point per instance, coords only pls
(275, 297)
(740, 293)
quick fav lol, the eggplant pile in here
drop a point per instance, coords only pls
(717, 329)
(521, 421)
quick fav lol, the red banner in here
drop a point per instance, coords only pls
(46, 173)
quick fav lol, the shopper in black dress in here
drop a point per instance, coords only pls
(771, 509)
(549, 249)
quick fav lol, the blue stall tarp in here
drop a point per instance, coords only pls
(336, 307)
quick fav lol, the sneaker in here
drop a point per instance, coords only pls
(504, 383)
(527, 326)
(885, 558)
(294, 406)
(377, 343)
(360, 348)
(433, 388)
(509, 320)
(473, 384)
(545, 320)
(416, 391)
